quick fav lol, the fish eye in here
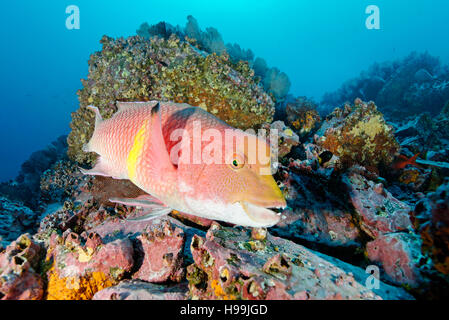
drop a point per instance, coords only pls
(237, 162)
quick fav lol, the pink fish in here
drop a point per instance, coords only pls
(181, 157)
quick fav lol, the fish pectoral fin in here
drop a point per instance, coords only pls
(157, 159)
(144, 201)
(152, 214)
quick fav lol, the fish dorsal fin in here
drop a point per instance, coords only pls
(122, 106)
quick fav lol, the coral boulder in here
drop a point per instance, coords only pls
(358, 135)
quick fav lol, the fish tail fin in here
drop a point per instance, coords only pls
(98, 119)
(413, 159)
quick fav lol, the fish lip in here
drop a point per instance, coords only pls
(278, 204)
(262, 215)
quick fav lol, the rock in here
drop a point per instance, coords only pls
(371, 87)
(287, 139)
(79, 270)
(416, 178)
(19, 264)
(319, 213)
(185, 217)
(114, 228)
(302, 115)
(422, 75)
(277, 83)
(426, 96)
(15, 219)
(25, 187)
(58, 217)
(401, 88)
(431, 220)
(377, 210)
(399, 255)
(162, 254)
(419, 134)
(139, 290)
(229, 264)
(393, 94)
(358, 135)
(60, 181)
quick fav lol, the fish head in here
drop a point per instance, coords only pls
(242, 184)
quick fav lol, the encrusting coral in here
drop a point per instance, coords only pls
(358, 135)
(137, 69)
(79, 271)
(302, 115)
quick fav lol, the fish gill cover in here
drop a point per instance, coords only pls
(365, 182)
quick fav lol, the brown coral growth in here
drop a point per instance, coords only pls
(359, 135)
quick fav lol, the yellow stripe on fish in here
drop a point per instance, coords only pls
(136, 151)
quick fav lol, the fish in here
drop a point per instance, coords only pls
(325, 157)
(403, 161)
(153, 145)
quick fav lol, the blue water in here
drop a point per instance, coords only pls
(319, 44)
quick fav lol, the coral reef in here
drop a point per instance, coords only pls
(399, 254)
(59, 182)
(287, 138)
(376, 209)
(210, 41)
(93, 252)
(409, 86)
(162, 254)
(19, 266)
(230, 264)
(25, 187)
(358, 135)
(302, 115)
(319, 213)
(277, 83)
(140, 290)
(79, 270)
(431, 219)
(15, 219)
(365, 186)
(422, 134)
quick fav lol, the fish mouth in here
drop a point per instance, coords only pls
(265, 216)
